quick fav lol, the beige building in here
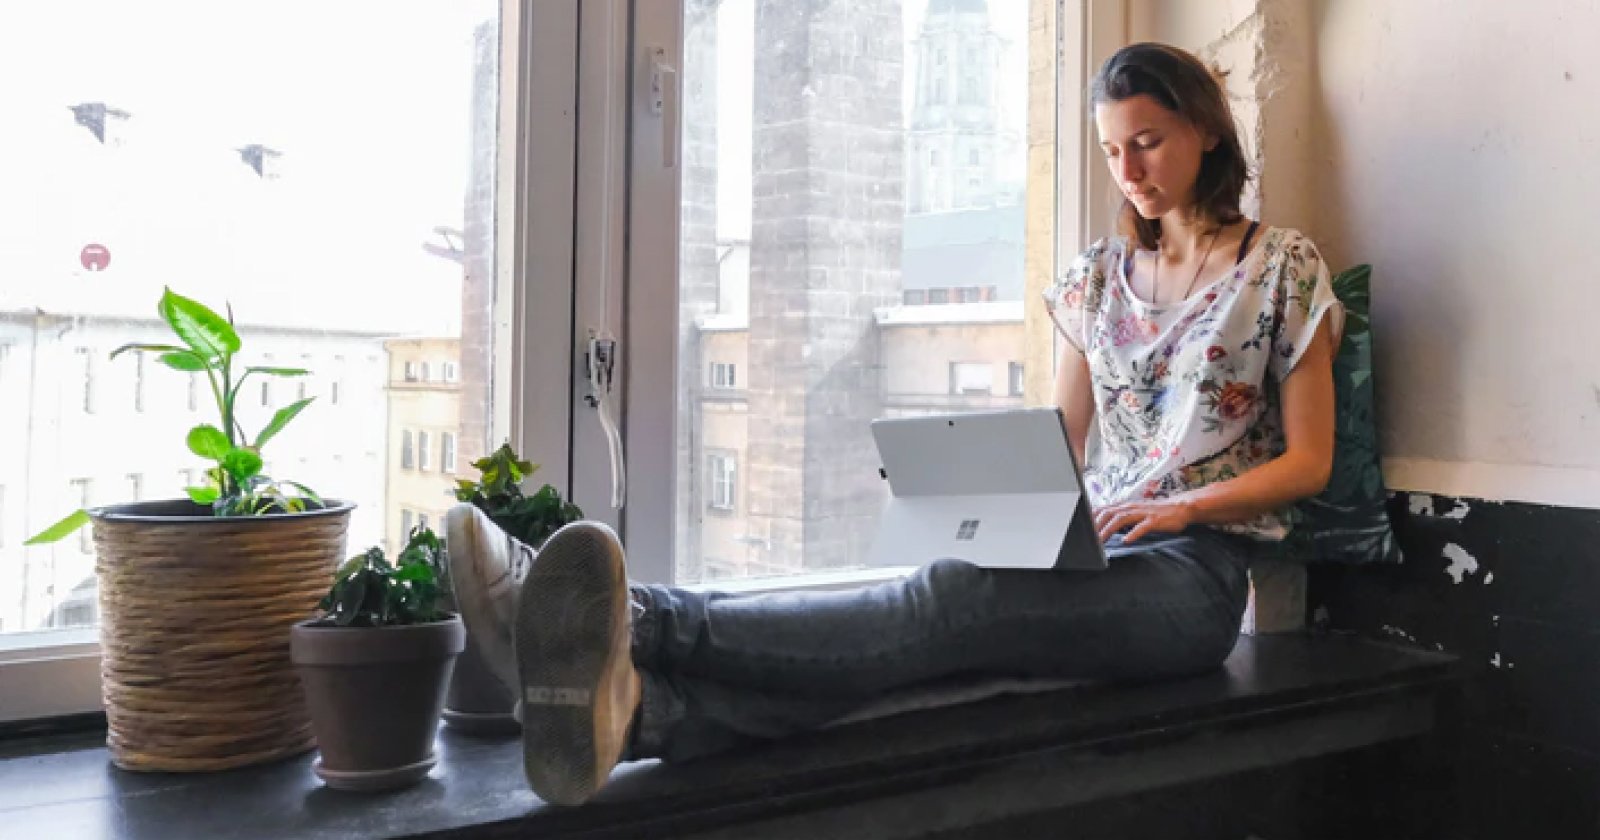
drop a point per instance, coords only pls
(424, 436)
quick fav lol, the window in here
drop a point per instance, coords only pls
(722, 375)
(838, 271)
(447, 452)
(422, 372)
(266, 392)
(448, 372)
(423, 459)
(422, 520)
(407, 520)
(82, 489)
(407, 457)
(135, 492)
(86, 365)
(971, 378)
(411, 371)
(1014, 377)
(724, 472)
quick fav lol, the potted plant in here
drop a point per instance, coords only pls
(375, 665)
(197, 595)
(477, 703)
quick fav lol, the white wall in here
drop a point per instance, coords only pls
(1459, 156)
(1455, 145)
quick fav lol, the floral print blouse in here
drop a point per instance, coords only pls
(1188, 394)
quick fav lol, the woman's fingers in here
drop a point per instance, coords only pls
(1118, 521)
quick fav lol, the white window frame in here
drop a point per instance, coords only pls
(723, 375)
(447, 452)
(547, 268)
(722, 477)
(424, 456)
(408, 452)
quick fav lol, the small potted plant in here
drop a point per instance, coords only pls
(375, 665)
(197, 595)
(477, 703)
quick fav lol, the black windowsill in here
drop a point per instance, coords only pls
(63, 786)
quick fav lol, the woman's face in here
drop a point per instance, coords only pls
(1154, 154)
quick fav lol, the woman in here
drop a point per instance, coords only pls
(1196, 382)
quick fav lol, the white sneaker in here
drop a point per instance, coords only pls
(486, 567)
(579, 689)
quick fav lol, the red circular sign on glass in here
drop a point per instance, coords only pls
(95, 257)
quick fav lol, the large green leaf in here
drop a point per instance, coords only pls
(279, 371)
(206, 332)
(72, 522)
(146, 348)
(281, 419)
(208, 441)
(183, 360)
(242, 463)
(203, 495)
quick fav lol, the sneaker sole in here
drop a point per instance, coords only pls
(573, 659)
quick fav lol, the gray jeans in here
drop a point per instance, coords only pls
(722, 670)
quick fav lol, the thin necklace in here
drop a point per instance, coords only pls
(1155, 275)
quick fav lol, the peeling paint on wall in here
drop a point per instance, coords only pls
(1461, 563)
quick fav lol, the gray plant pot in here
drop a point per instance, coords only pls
(375, 694)
(477, 704)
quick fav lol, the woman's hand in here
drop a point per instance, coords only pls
(1164, 516)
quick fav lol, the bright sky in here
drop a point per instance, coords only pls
(368, 100)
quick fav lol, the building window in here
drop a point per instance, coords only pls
(724, 472)
(411, 371)
(933, 157)
(938, 295)
(1014, 376)
(990, 292)
(407, 457)
(135, 487)
(406, 520)
(448, 372)
(266, 392)
(422, 521)
(85, 359)
(81, 490)
(422, 372)
(447, 452)
(938, 90)
(723, 375)
(970, 294)
(138, 381)
(424, 459)
(914, 297)
(971, 378)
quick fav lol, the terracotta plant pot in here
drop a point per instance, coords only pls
(195, 612)
(375, 695)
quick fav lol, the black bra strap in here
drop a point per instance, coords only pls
(1244, 247)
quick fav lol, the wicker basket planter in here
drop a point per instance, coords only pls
(195, 613)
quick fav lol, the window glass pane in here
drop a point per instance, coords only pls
(335, 186)
(859, 173)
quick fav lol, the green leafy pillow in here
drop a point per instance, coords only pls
(1348, 521)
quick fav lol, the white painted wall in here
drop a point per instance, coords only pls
(1455, 145)
(1459, 142)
